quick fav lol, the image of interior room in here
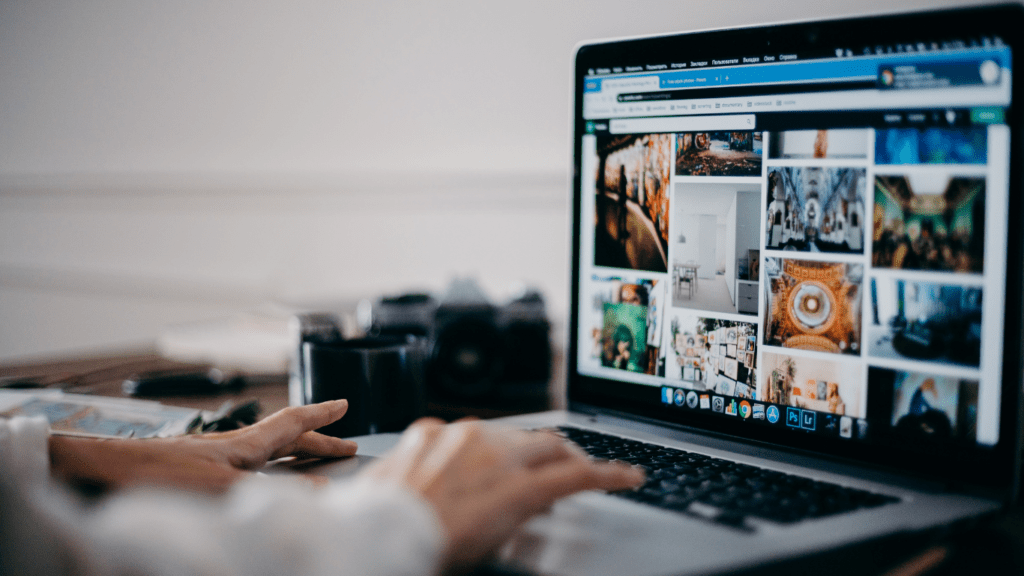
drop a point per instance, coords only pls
(805, 144)
(709, 354)
(632, 201)
(813, 305)
(924, 321)
(928, 220)
(816, 209)
(813, 384)
(715, 247)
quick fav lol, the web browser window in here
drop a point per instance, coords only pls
(815, 244)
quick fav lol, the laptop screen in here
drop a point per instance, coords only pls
(800, 234)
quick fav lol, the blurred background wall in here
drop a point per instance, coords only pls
(170, 162)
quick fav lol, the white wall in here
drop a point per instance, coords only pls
(689, 226)
(730, 249)
(748, 222)
(164, 162)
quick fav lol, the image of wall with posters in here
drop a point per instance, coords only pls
(807, 144)
(623, 319)
(718, 154)
(816, 209)
(929, 220)
(632, 201)
(813, 384)
(925, 321)
(813, 305)
(929, 406)
(932, 146)
(709, 354)
(715, 228)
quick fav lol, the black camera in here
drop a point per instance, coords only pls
(477, 352)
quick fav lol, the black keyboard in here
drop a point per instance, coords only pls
(720, 490)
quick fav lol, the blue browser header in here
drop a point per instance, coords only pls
(963, 67)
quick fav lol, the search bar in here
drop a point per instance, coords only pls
(682, 124)
(631, 83)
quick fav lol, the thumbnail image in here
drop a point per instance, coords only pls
(632, 201)
(715, 246)
(932, 146)
(622, 338)
(923, 321)
(718, 154)
(703, 354)
(807, 144)
(816, 209)
(812, 384)
(623, 319)
(813, 305)
(927, 221)
(930, 406)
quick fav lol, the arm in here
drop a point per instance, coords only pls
(446, 497)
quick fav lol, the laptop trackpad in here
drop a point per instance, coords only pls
(595, 534)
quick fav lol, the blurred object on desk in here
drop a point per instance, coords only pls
(479, 353)
(104, 375)
(100, 417)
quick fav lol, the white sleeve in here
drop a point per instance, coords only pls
(24, 451)
(273, 526)
(265, 525)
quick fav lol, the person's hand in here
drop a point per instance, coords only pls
(484, 482)
(209, 462)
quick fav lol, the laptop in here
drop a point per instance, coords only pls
(796, 291)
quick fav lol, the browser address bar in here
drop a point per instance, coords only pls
(682, 124)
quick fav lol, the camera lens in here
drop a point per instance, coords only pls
(467, 357)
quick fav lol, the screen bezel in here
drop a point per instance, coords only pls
(992, 468)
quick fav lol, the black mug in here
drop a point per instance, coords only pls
(381, 377)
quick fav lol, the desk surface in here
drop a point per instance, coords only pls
(104, 375)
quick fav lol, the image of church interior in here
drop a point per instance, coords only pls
(923, 321)
(632, 201)
(715, 233)
(816, 209)
(804, 144)
(719, 154)
(813, 384)
(813, 305)
(708, 354)
(929, 221)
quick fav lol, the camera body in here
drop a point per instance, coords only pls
(477, 352)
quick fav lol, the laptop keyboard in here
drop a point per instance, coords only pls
(720, 490)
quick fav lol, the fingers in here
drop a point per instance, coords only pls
(545, 485)
(541, 448)
(284, 426)
(316, 445)
(319, 415)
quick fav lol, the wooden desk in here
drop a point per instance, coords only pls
(102, 375)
